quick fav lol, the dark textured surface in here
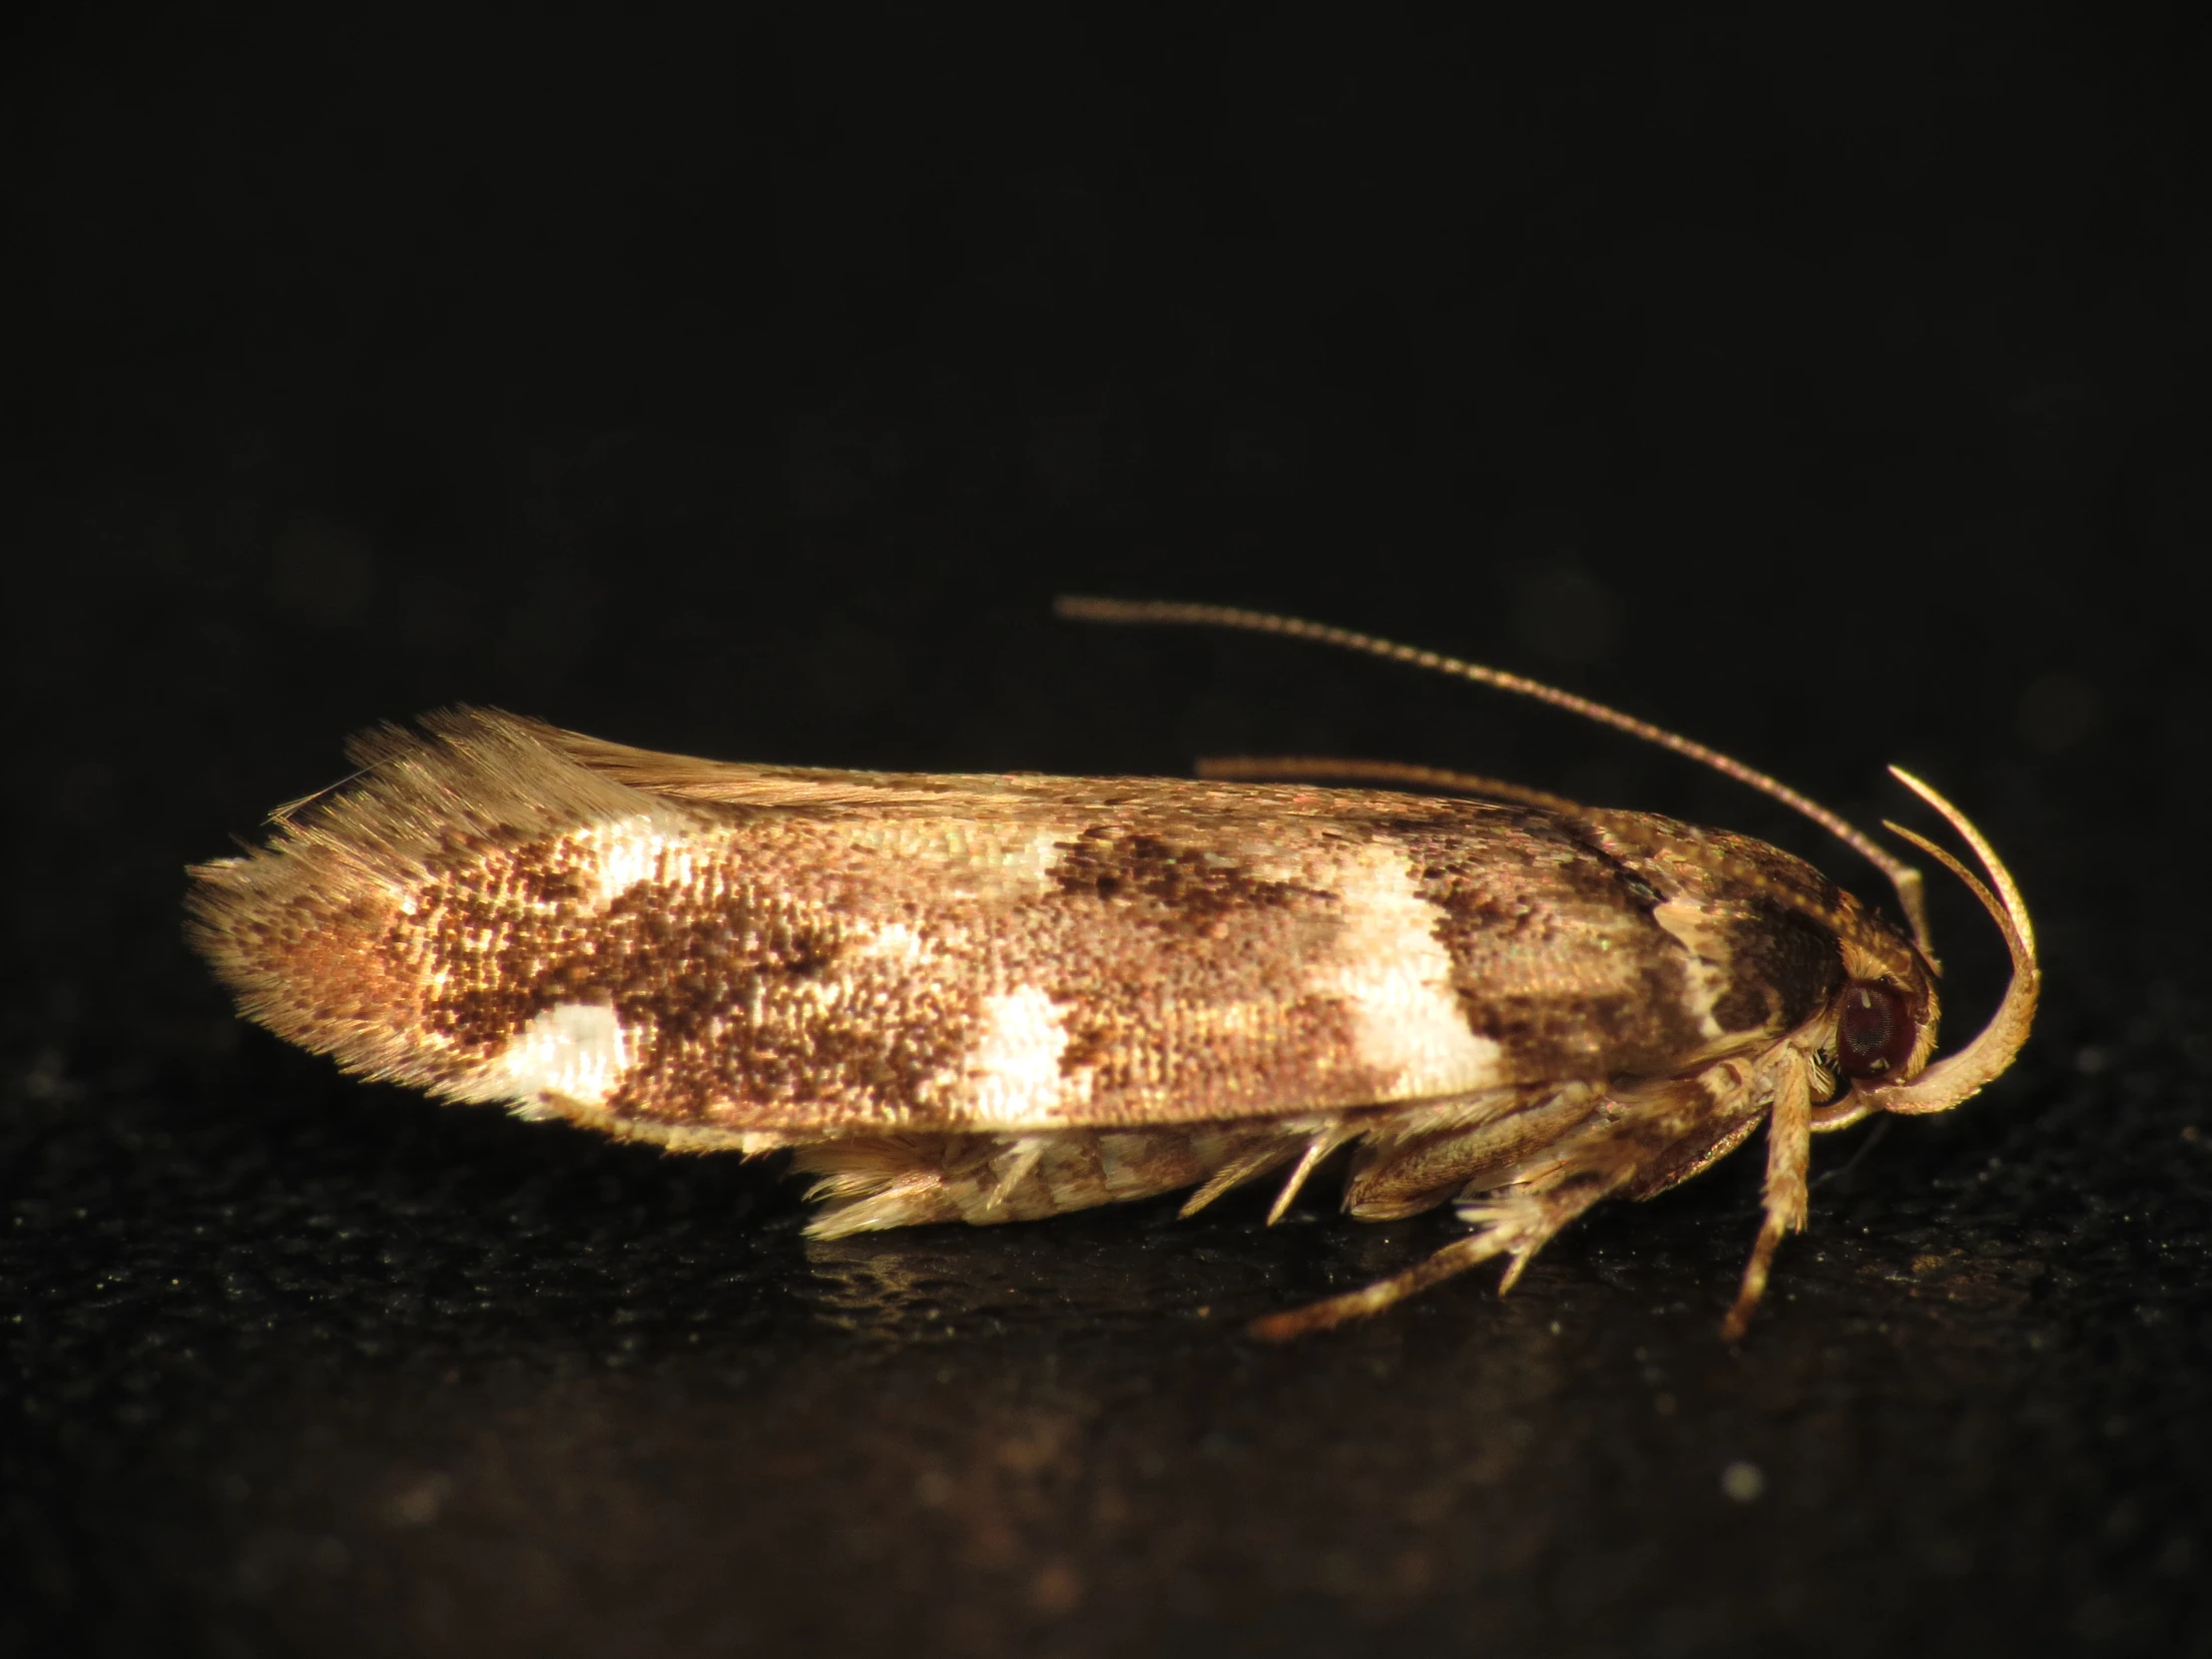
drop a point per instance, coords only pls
(1830, 391)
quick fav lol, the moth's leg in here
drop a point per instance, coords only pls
(1307, 1139)
(1516, 1221)
(1414, 1160)
(1789, 1155)
(1252, 1162)
(1454, 1258)
(870, 1183)
(1319, 1146)
(1631, 1143)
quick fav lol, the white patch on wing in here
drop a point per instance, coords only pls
(575, 1050)
(629, 851)
(992, 860)
(1015, 1068)
(894, 942)
(1025, 865)
(1704, 959)
(1395, 977)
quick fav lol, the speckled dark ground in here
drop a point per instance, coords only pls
(1835, 392)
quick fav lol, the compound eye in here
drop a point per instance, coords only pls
(1873, 1037)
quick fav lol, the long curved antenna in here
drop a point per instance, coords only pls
(1957, 1076)
(1902, 876)
(1320, 768)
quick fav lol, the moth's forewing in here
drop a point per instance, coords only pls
(750, 956)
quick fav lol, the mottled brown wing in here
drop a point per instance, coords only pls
(729, 955)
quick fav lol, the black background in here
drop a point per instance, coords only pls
(1828, 386)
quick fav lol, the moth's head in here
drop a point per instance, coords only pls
(1885, 1022)
(1884, 1031)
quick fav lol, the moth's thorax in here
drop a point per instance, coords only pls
(1777, 911)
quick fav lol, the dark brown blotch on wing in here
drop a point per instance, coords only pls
(724, 982)
(1180, 885)
(1180, 971)
(1554, 953)
(1773, 918)
(1782, 969)
(488, 955)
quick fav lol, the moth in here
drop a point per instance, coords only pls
(996, 998)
